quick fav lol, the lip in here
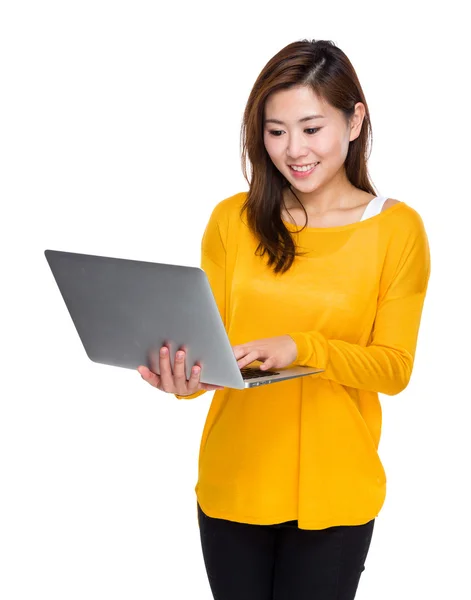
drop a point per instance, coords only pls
(300, 174)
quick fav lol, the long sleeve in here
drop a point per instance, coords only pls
(385, 364)
(213, 263)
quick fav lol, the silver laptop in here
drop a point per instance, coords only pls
(125, 310)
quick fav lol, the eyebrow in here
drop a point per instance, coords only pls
(300, 120)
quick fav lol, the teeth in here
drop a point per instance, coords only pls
(305, 168)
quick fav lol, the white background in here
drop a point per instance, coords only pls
(119, 133)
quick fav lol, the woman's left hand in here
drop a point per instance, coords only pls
(277, 352)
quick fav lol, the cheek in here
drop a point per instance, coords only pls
(326, 151)
(325, 146)
(331, 146)
(272, 148)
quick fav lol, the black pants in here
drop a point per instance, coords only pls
(282, 562)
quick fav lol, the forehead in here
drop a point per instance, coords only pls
(295, 103)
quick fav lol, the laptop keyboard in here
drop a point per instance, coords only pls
(251, 373)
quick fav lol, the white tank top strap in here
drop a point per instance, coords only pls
(374, 207)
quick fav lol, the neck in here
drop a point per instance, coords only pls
(338, 194)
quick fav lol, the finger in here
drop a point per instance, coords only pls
(149, 376)
(237, 351)
(194, 380)
(241, 350)
(179, 375)
(166, 377)
(251, 356)
(208, 387)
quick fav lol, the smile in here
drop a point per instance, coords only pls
(304, 171)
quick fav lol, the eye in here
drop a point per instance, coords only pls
(310, 131)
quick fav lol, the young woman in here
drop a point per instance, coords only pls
(309, 267)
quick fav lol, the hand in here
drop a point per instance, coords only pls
(277, 352)
(176, 382)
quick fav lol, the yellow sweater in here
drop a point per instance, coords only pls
(306, 449)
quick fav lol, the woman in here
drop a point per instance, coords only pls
(309, 267)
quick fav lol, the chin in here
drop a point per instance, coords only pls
(304, 186)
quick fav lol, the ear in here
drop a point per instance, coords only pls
(356, 121)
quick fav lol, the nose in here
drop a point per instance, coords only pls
(296, 147)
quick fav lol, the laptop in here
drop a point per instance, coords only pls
(125, 310)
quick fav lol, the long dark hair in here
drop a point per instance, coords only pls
(323, 66)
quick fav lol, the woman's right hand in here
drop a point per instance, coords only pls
(176, 382)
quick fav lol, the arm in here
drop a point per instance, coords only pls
(213, 263)
(385, 364)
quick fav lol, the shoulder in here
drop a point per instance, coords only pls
(389, 202)
(223, 218)
(232, 203)
(405, 237)
(403, 218)
(229, 208)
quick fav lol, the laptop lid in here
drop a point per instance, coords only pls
(125, 310)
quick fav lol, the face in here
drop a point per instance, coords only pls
(293, 137)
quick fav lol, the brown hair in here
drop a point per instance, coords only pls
(321, 65)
